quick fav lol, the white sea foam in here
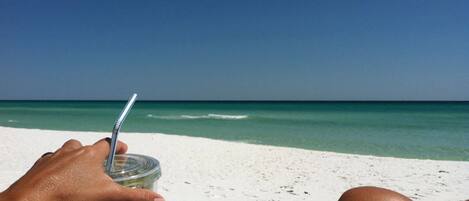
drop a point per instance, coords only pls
(208, 116)
(12, 121)
(163, 117)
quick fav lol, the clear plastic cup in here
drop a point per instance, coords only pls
(136, 171)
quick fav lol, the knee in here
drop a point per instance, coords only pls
(369, 193)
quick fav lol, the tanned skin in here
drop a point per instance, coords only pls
(74, 173)
(369, 193)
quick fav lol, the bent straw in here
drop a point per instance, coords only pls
(115, 132)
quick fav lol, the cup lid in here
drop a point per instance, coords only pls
(134, 166)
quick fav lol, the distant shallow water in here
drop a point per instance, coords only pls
(433, 130)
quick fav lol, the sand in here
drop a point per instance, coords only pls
(200, 169)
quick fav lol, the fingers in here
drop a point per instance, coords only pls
(103, 147)
(139, 195)
(121, 147)
(71, 145)
(47, 154)
(43, 157)
(159, 199)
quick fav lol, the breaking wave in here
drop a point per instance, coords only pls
(208, 116)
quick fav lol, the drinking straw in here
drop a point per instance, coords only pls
(115, 132)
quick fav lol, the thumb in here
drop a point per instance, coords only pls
(139, 195)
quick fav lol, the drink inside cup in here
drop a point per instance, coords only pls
(136, 171)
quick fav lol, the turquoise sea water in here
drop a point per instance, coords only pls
(433, 130)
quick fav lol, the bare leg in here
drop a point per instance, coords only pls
(369, 193)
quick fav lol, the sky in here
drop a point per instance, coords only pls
(234, 50)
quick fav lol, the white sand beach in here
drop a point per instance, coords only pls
(200, 169)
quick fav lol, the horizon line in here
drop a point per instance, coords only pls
(208, 100)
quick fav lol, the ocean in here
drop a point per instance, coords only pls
(424, 130)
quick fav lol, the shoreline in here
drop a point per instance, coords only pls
(248, 142)
(199, 168)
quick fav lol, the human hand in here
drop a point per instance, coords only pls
(74, 173)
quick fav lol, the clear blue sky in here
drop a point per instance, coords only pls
(235, 50)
